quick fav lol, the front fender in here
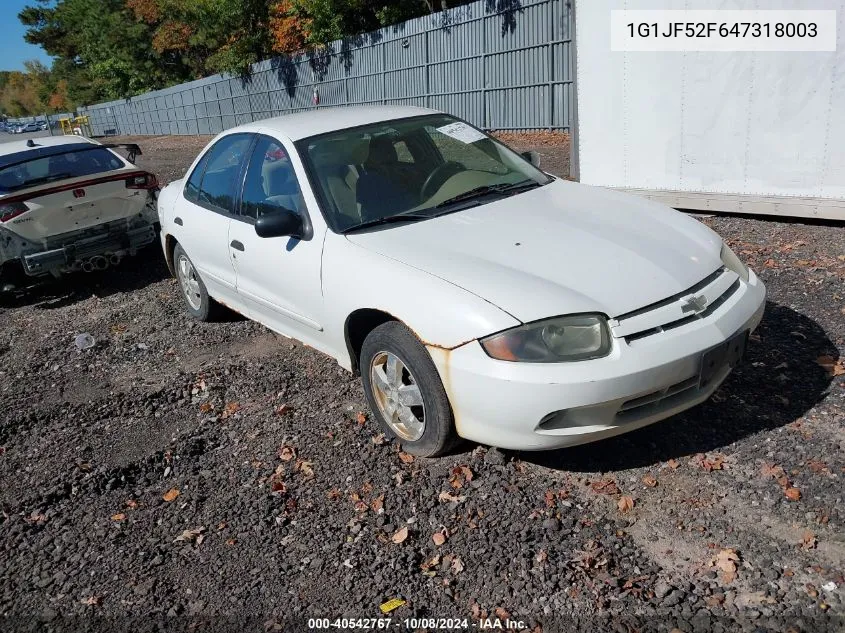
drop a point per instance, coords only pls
(440, 313)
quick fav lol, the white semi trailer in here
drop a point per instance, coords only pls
(757, 132)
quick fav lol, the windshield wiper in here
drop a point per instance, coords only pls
(485, 190)
(390, 219)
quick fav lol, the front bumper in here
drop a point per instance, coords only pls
(528, 406)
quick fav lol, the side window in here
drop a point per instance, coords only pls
(270, 180)
(192, 188)
(220, 180)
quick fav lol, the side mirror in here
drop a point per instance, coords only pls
(532, 157)
(276, 221)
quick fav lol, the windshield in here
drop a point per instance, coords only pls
(417, 168)
(40, 169)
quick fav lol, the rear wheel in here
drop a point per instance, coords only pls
(194, 294)
(404, 391)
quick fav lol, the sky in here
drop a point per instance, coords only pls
(13, 50)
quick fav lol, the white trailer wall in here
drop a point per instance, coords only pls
(750, 132)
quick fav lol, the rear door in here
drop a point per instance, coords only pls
(206, 210)
(68, 191)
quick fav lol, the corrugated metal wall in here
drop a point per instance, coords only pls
(500, 64)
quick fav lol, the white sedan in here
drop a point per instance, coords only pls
(477, 296)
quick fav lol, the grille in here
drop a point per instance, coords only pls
(671, 313)
(658, 400)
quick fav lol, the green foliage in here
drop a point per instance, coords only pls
(111, 49)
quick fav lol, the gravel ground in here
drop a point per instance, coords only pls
(188, 476)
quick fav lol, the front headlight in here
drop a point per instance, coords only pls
(556, 340)
(734, 263)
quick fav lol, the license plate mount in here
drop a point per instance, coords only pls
(714, 360)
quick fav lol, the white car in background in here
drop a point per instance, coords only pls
(477, 296)
(70, 204)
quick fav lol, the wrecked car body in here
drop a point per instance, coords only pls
(70, 204)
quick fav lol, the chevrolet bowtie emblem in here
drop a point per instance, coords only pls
(694, 304)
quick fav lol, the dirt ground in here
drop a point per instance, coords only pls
(188, 476)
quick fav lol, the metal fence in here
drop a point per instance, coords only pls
(500, 64)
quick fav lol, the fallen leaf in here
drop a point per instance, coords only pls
(283, 409)
(171, 494)
(808, 541)
(287, 453)
(457, 565)
(429, 564)
(817, 466)
(406, 458)
(832, 366)
(304, 467)
(191, 535)
(502, 614)
(334, 494)
(91, 601)
(230, 542)
(361, 417)
(379, 439)
(118, 517)
(439, 538)
(793, 494)
(772, 471)
(709, 464)
(221, 525)
(673, 464)
(131, 503)
(649, 480)
(278, 486)
(605, 487)
(625, 504)
(230, 409)
(400, 536)
(391, 605)
(447, 497)
(725, 561)
(377, 504)
(206, 407)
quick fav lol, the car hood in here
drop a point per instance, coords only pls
(562, 248)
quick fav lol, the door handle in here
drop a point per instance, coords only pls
(237, 245)
(177, 220)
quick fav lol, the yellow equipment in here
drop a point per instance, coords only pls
(80, 126)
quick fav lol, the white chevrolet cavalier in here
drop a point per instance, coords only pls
(477, 296)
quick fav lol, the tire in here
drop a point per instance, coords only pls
(201, 306)
(437, 435)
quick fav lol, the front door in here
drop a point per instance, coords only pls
(278, 278)
(210, 198)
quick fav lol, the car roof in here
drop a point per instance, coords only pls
(301, 125)
(17, 146)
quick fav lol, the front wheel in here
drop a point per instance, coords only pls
(404, 391)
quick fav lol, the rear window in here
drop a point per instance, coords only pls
(60, 166)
